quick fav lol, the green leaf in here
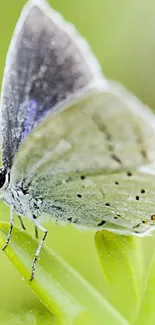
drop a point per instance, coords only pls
(37, 316)
(62, 290)
(146, 314)
(122, 263)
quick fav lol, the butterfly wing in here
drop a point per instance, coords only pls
(103, 199)
(47, 62)
(79, 163)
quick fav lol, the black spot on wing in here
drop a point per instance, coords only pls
(137, 226)
(116, 158)
(79, 195)
(101, 223)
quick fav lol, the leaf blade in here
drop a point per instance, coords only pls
(122, 263)
(63, 291)
(146, 313)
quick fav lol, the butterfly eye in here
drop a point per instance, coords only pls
(3, 175)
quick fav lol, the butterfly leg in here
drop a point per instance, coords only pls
(21, 222)
(36, 232)
(11, 227)
(39, 247)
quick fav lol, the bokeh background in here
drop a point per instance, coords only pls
(121, 34)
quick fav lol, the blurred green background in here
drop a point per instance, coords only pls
(121, 34)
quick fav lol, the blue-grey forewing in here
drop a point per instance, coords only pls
(47, 63)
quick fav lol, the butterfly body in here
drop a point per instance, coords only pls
(23, 204)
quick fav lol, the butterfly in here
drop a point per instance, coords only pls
(76, 147)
